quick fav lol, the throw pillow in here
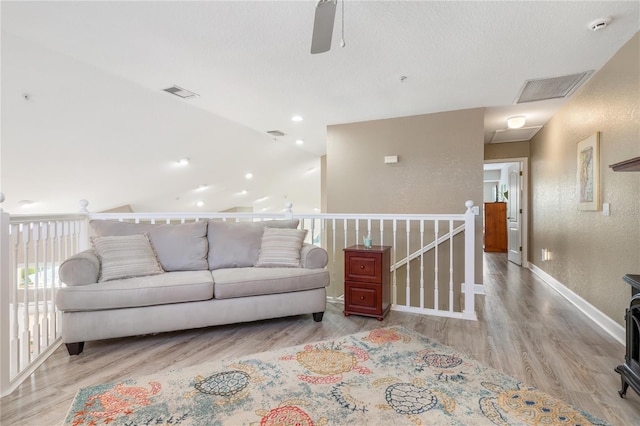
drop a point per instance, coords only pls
(281, 248)
(125, 257)
(236, 245)
(179, 246)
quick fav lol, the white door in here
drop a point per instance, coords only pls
(514, 215)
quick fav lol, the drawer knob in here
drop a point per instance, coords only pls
(361, 266)
(361, 297)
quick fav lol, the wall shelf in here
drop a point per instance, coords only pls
(632, 165)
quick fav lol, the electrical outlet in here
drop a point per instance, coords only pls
(606, 209)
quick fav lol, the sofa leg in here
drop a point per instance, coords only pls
(75, 348)
(317, 316)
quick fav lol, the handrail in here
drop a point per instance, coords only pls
(416, 254)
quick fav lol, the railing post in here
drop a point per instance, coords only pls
(5, 282)
(469, 259)
(288, 213)
(83, 232)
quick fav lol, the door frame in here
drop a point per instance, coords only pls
(524, 202)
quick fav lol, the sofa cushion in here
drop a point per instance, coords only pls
(240, 282)
(281, 248)
(236, 244)
(180, 247)
(170, 287)
(125, 256)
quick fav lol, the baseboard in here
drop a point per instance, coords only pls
(614, 329)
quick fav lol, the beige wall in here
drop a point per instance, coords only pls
(591, 252)
(500, 151)
(440, 166)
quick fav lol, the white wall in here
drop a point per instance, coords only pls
(85, 133)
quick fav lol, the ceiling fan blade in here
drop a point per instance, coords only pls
(323, 26)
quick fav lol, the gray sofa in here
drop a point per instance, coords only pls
(210, 273)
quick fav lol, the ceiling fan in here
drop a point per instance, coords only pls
(324, 19)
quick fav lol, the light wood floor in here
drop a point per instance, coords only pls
(525, 329)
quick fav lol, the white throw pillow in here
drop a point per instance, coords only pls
(281, 248)
(126, 257)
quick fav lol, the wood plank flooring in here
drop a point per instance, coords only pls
(525, 329)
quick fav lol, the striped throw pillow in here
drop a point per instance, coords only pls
(281, 248)
(126, 257)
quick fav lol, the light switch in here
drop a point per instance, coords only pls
(605, 209)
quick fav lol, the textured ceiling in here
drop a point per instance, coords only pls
(250, 61)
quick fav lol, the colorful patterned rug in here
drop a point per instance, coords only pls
(389, 376)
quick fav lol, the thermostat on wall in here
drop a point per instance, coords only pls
(390, 159)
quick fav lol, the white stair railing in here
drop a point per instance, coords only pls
(429, 258)
(31, 250)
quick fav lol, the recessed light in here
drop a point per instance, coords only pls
(249, 175)
(183, 161)
(516, 122)
(260, 200)
(202, 187)
(199, 203)
(26, 203)
(296, 118)
(243, 192)
(299, 142)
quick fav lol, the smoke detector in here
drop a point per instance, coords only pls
(599, 24)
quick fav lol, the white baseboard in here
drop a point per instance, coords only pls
(607, 324)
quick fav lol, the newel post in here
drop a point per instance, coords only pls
(470, 259)
(5, 297)
(288, 212)
(83, 234)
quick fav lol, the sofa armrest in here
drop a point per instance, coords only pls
(80, 269)
(313, 257)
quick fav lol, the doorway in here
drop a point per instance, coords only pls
(505, 181)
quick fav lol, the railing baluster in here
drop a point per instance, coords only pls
(16, 233)
(436, 295)
(394, 276)
(422, 264)
(408, 267)
(346, 225)
(25, 350)
(357, 222)
(451, 266)
(381, 232)
(35, 333)
(44, 324)
(59, 237)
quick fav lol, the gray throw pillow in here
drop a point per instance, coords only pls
(236, 245)
(180, 247)
(281, 248)
(125, 257)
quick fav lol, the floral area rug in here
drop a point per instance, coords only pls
(389, 376)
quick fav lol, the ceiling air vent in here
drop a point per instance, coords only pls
(551, 88)
(179, 91)
(275, 133)
(515, 135)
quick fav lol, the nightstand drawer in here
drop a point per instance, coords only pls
(363, 298)
(363, 267)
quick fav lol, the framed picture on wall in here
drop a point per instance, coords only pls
(588, 178)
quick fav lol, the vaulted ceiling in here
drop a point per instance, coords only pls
(84, 114)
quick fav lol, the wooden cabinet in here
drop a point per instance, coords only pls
(495, 227)
(367, 281)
